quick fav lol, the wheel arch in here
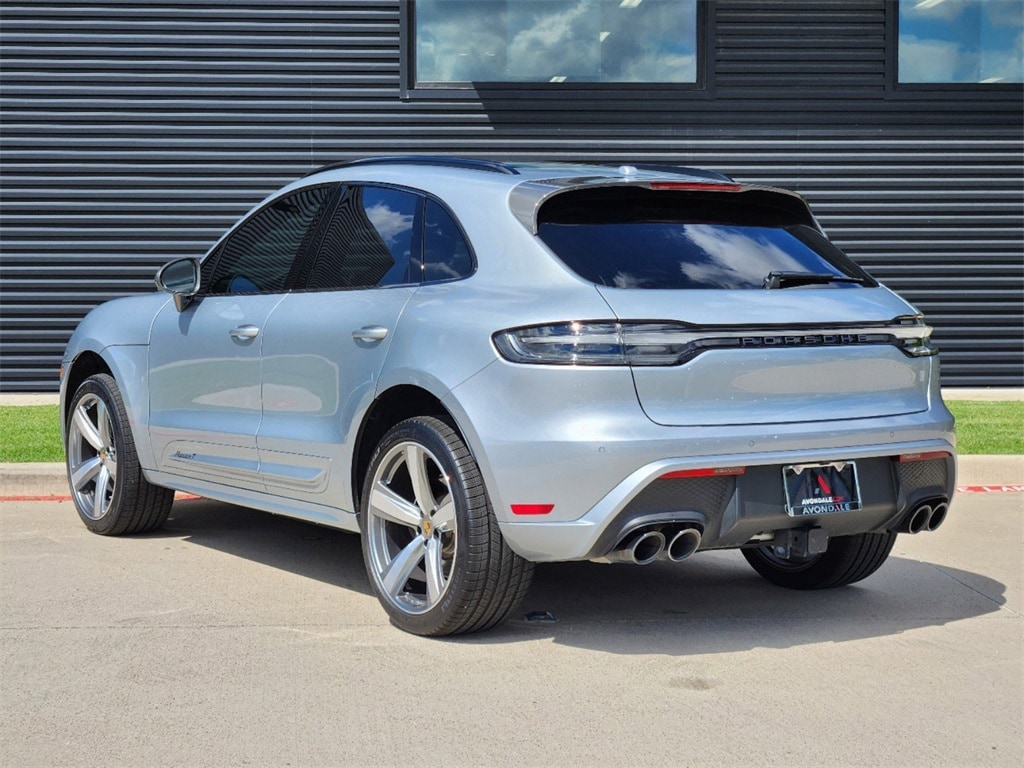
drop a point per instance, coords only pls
(393, 405)
(86, 364)
(128, 366)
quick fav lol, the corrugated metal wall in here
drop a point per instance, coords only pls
(134, 132)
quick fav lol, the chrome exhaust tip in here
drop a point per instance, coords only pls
(917, 521)
(646, 547)
(683, 544)
(938, 516)
(926, 516)
(638, 548)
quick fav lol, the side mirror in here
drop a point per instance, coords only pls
(180, 278)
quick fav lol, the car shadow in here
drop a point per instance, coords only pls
(711, 603)
(312, 551)
(716, 603)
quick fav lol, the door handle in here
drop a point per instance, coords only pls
(244, 332)
(370, 333)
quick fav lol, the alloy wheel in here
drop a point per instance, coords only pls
(92, 457)
(411, 528)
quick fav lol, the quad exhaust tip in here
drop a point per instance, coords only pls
(683, 544)
(926, 516)
(644, 547)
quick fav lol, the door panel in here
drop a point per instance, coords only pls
(324, 349)
(206, 391)
(317, 379)
(205, 394)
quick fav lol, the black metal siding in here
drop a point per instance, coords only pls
(135, 132)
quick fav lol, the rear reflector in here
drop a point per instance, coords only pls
(532, 509)
(695, 186)
(709, 472)
(905, 457)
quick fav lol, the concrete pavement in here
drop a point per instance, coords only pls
(234, 637)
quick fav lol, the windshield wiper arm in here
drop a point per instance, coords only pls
(791, 279)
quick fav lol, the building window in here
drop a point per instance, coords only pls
(460, 43)
(960, 41)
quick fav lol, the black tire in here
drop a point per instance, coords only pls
(477, 580)
(848, 559)
(110, 493)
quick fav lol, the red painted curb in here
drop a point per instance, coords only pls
(990, 489)
(177, 497)
(35, 498)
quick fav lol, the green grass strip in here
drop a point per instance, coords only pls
(30, 433)
(989, 427)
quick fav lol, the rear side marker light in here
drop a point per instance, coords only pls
(709, 472)
(905, 457)
(532, 509)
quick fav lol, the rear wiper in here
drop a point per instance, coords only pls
(792, 279)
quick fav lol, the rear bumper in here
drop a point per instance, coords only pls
(732, 511)
(576, 440)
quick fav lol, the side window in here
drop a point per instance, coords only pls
(258, 257)
(370, 241)
(446, 253)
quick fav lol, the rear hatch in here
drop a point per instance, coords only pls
(734, 308)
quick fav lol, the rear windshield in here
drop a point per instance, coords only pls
(639, 238)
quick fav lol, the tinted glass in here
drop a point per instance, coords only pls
(679, 241)
(961, 41)
(258, 257)
(597, 41)
(370, 240)
(446, 253)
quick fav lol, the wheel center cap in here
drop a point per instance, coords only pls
(428, 527)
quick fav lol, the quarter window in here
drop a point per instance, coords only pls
(961, 41)
(555, 41)
(370, 240)
(446, 254)
(258, 256)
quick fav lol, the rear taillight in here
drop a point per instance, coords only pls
(915, 337)
(602, 343)
(696, 186)
(919, 347)
(607, 342)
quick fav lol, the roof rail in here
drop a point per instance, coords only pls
(668, 168)
(451, 162)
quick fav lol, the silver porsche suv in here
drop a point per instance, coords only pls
(480, 366)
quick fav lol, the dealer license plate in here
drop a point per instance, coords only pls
(821, 489)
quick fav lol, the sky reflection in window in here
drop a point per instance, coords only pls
(556, 41)
(961, 41)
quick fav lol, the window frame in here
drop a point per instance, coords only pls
(896, 89)
(304, 264)
(314, 233)
(410, 89)
(428, 198)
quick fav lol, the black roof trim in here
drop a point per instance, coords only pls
(451, 162)
(702, 173)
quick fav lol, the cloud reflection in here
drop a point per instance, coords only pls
(961, 41)
(540, 40)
